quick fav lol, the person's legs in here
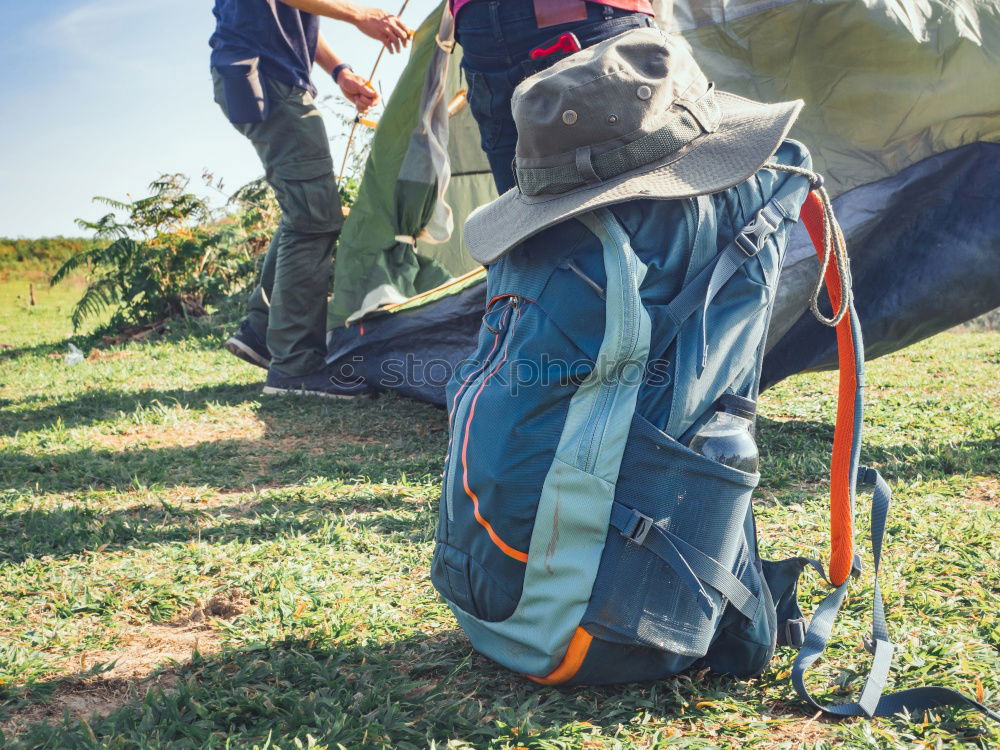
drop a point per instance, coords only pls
(288, 306)
(497, 37)
(258, 305)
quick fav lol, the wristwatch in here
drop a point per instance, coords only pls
(337, 70)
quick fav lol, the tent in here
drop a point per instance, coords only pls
(902, 117)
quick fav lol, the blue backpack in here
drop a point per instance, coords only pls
(580, 540)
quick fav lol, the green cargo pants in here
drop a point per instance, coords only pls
(288, 306)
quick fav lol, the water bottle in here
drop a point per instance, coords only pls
(728, 436)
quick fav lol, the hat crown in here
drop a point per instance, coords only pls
(632, 117)
(603, 96)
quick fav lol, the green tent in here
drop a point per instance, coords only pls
(902, 117)
(425, 173)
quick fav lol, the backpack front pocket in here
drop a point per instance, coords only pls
(499, 456)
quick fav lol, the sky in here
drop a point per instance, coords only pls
(99, 97)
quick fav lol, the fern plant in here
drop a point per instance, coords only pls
(168, 254)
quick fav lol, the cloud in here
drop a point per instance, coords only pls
(83, 19)
(121, 32)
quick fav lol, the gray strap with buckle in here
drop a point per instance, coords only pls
(746, 245)
(872, 702)
(701, 290)
(692, 565)
(639, 529)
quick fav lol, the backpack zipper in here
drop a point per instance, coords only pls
(622, 351)
(463, 401)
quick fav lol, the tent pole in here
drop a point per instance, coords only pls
(357, 117)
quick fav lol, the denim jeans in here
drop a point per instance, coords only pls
(497, 37)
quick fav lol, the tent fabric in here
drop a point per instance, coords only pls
(926, 259)
(886, 83)
(902, 117)
(422, 177)
(413, 351)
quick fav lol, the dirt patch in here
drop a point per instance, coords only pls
(225, 606)
(801, 734)
(985, 491)
(85, 699)
(260, 439)
(180, 436)
(135, 333)
(145, 661)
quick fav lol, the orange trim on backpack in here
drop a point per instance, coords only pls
(475, 373)
(500, 543)
(571, 661)
(841, 522)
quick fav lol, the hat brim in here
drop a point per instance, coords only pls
(748, 135)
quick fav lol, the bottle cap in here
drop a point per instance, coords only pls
(741, 407)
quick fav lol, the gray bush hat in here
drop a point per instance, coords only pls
(630, 117)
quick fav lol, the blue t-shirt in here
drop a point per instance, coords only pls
(283, 37)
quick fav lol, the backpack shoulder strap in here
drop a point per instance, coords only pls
(872, 702)
(845, 476)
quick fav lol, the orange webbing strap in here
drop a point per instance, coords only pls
(841, 522)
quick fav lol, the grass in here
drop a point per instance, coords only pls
(185, 564)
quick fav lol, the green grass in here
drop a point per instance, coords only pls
(226, 570)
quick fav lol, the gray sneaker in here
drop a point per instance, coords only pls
(249, 346)
(333, 381)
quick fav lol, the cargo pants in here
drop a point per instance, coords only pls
(288, 306)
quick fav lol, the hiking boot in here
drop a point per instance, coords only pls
(249, 346)
(331, 382)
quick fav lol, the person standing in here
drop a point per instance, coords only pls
(497, 39)
(263, 52)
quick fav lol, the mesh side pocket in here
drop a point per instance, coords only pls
(638, 598)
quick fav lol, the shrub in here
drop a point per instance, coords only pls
(170, 253)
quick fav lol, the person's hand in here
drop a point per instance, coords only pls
(356, 90)
(378, 24)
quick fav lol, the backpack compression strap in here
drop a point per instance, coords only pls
(845, 475)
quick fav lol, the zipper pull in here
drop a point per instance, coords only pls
(571, 266)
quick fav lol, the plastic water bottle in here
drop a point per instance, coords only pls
(728, 436)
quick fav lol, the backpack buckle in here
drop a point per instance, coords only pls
(638, 528)
(795, 632)
(752, 237)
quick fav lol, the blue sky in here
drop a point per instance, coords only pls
(101, 96)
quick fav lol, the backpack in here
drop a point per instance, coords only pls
(580, 540)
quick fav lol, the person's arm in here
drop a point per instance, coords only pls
(373, 22)
(353, 86)
(326, 58)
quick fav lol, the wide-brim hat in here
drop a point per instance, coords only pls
(629, 118)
